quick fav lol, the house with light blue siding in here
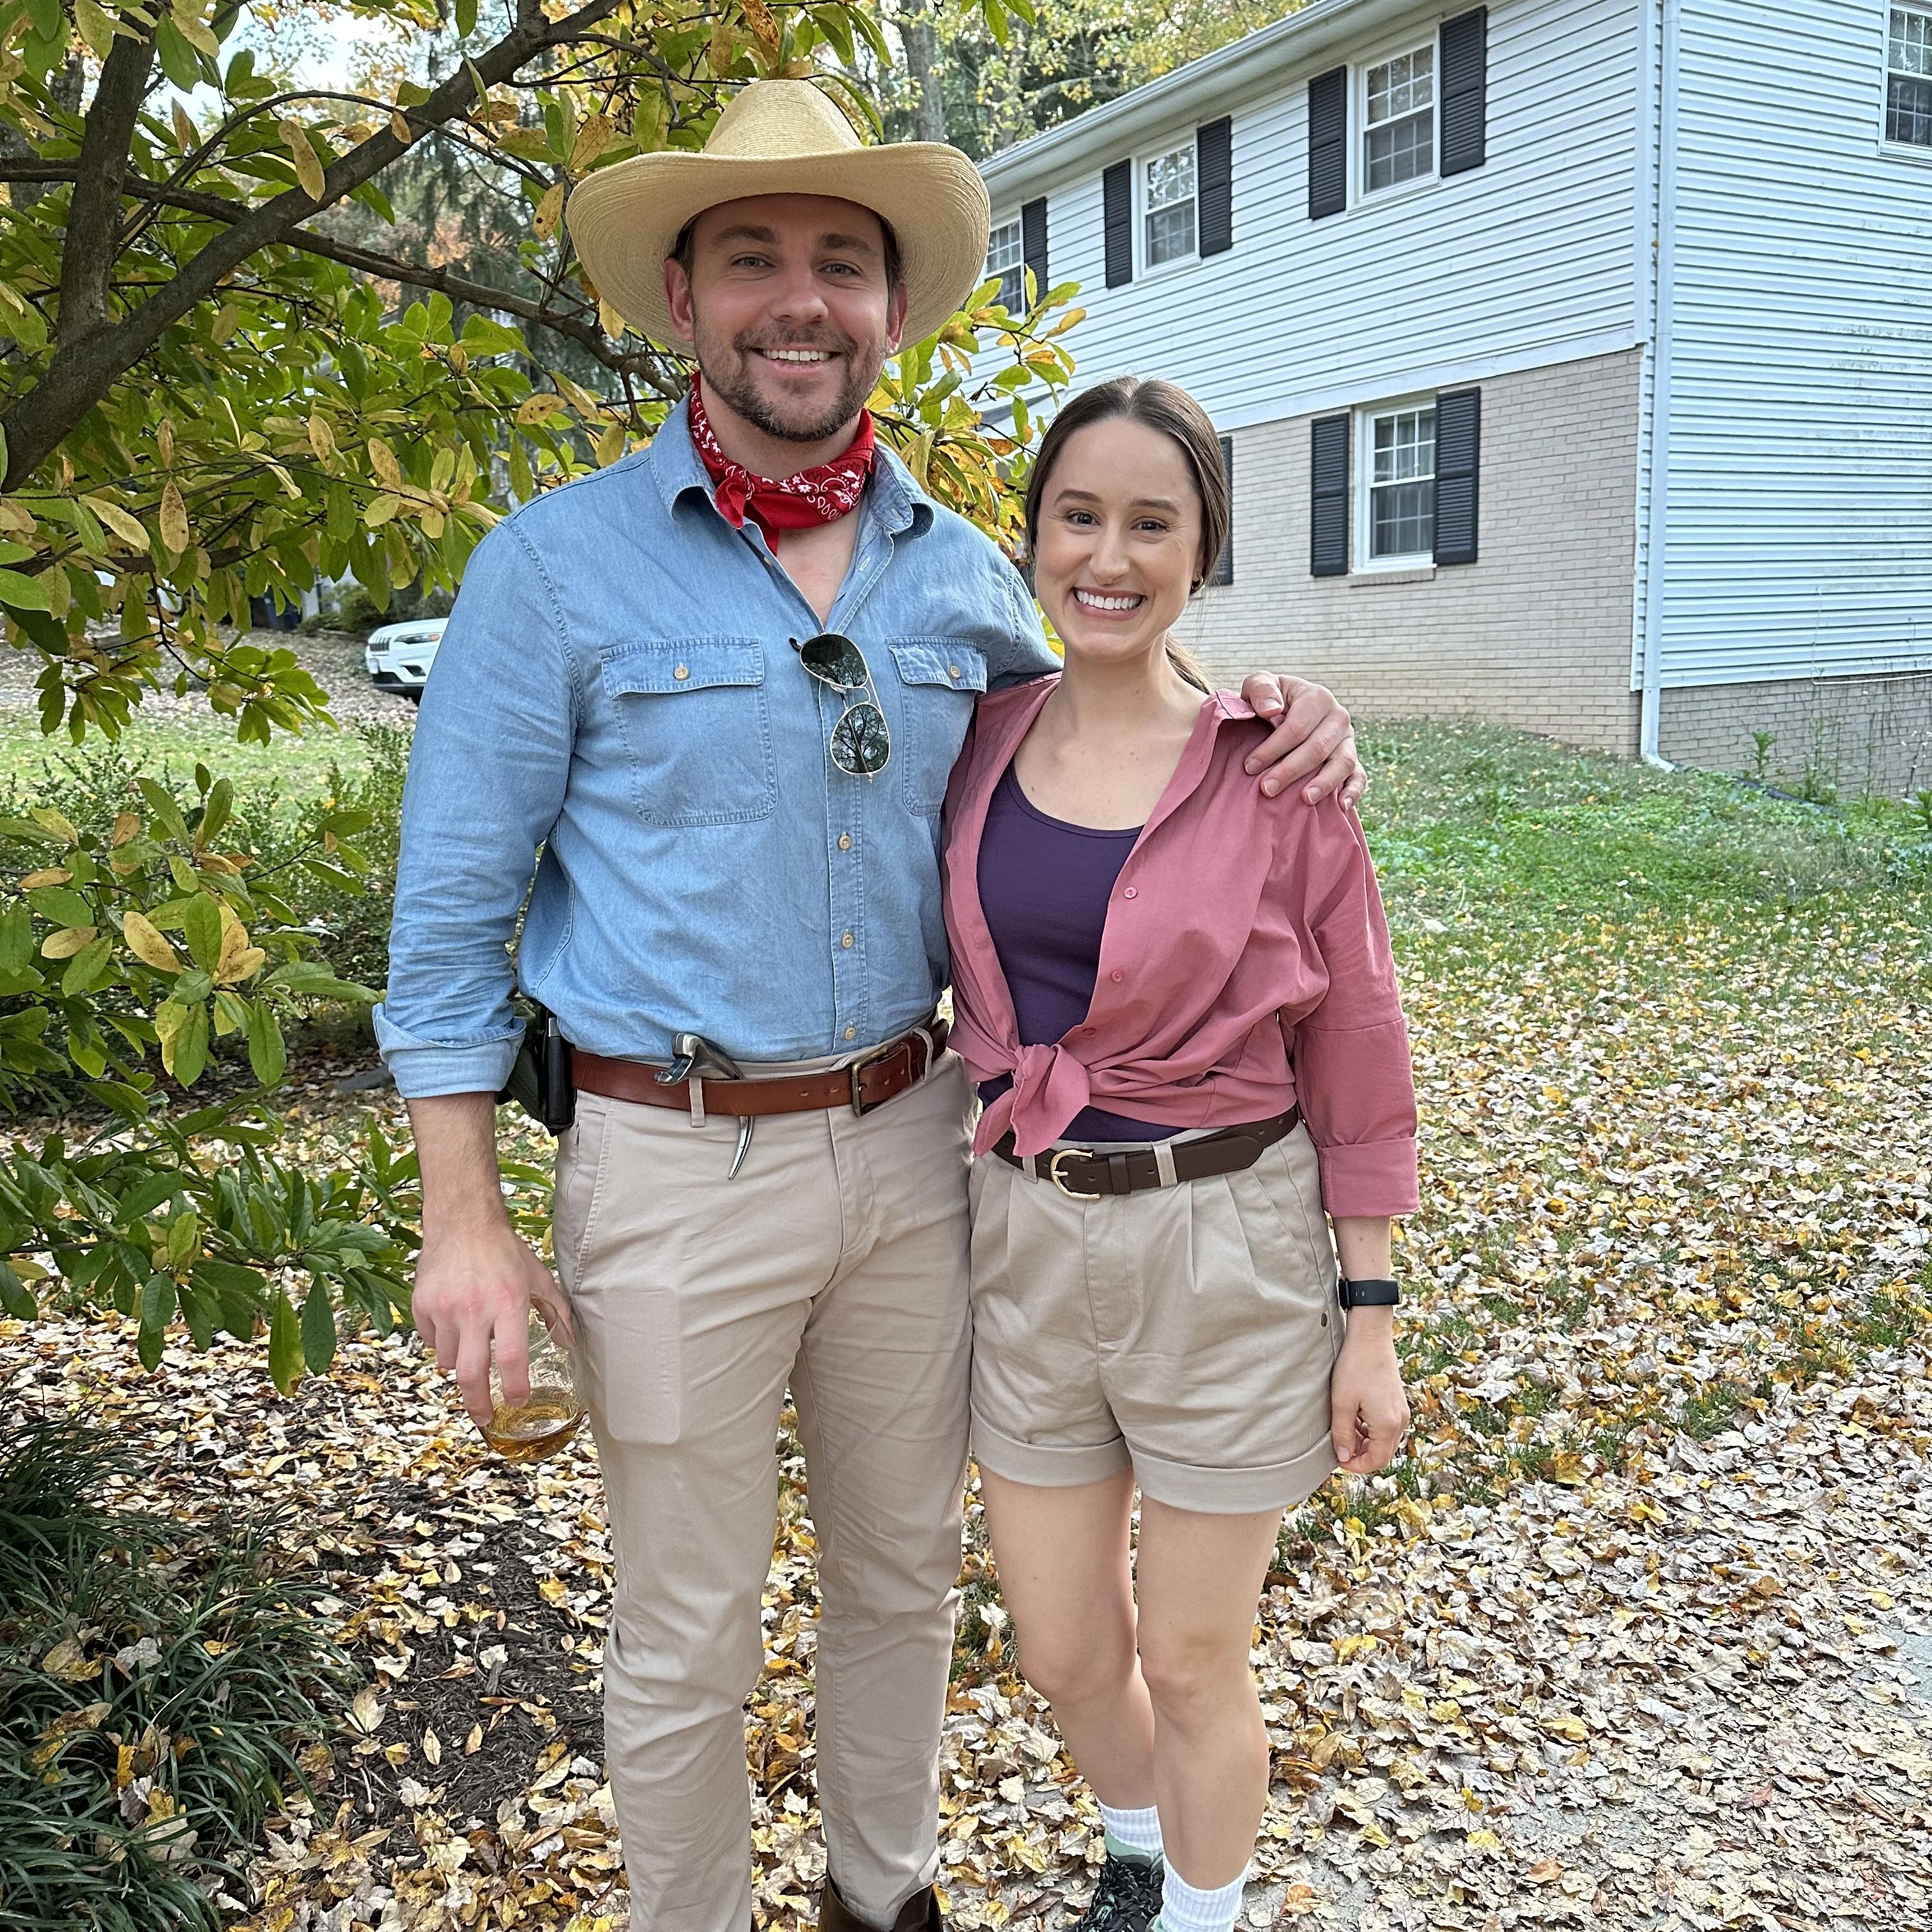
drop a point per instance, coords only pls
(1572, 358)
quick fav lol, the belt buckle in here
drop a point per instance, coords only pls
(1053, 1172)
(861, 1106)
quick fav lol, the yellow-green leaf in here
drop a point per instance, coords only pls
(145, 941)
(596, 134)
(65, 944)
(175, 531)
(308, 169)
(96, 28)
(548, 209)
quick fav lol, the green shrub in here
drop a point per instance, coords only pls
(158, 1686)
(162, 926)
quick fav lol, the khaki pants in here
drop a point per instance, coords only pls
(835, 1261)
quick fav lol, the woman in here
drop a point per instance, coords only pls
(1177, 996)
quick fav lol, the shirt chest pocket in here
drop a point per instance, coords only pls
(696, 724)
(938, 680)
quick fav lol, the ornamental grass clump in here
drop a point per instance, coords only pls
(158, 1684)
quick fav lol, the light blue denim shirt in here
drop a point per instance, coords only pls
(616, 686)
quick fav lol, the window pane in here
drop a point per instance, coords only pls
(1908, 112)
(1402, 85)
(1401, 519)
(1401, 151)
(1401, 483)
(1911, 42)
(1170, 233)
(1005, 258)
(1170, 179)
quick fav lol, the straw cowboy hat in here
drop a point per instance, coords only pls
(783, 137)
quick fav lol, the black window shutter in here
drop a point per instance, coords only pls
(1329, 496)
(1117, 201)
(1464, 63)
(1328, 143)
(1033, 241)
(1459, 436)
(1223, 572)
(1214, 156)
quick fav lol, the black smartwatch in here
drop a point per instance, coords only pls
(1382, 1294)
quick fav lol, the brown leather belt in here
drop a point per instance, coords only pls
(1086, 1176)
(865, 1084)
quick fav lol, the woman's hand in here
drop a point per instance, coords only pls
(1369, 1411)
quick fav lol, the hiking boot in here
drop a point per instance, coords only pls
(919, 1913)
(1126, 1895)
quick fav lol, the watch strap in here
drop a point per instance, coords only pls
(1381, 1293)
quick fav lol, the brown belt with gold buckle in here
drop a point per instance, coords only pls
(866, 1083)
(1086, 1176)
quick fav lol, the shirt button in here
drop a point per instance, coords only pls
(1132, 892)
(844, 841)
(851, 1032)
(952, 670)
(1117, 975)
(847, 941)
(682, 671)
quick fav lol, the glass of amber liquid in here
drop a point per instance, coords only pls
(528, 1431)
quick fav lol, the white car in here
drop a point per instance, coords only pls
(399, 655)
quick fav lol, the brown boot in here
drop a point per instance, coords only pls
(919, 1913)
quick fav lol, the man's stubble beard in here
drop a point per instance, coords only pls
(726, 369)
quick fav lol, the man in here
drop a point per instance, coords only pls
(739, 820)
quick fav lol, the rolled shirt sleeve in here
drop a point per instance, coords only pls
(487, 778)
(1351, 1052)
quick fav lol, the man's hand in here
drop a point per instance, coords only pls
(1368, 1412)
(476, 1278)
(474, 1290)
(1314, 736)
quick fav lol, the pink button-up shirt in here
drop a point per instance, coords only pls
(1244, 966)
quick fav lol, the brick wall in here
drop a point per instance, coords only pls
(1536, 634)
(1853, 733)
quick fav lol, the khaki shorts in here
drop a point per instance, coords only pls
(1188, 1332)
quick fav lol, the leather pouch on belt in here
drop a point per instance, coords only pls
(540, 1082)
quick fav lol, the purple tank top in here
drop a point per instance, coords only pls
(1044, 885)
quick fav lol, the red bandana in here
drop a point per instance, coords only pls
(820, 496)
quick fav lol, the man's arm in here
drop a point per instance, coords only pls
(488, 776)
(476, 1277)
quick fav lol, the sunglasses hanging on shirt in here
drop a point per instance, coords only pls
(861, 745)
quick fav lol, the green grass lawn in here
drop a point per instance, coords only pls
(34, 768)
(1473, 821)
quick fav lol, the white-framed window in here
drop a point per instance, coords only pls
(1908, 76)
(1399, 119)
(1169, 225)
(1006, 257)
(1396, 493)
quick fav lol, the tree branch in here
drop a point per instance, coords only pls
(94, 221)
(86, 366)
(577, 327)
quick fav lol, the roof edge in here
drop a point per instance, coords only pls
(1223, 79)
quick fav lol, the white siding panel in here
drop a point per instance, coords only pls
(1800, 541)
(1527, 259)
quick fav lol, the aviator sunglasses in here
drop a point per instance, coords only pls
(861, 745)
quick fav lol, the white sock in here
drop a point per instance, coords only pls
(1185, 1908)
(1135, 1834)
